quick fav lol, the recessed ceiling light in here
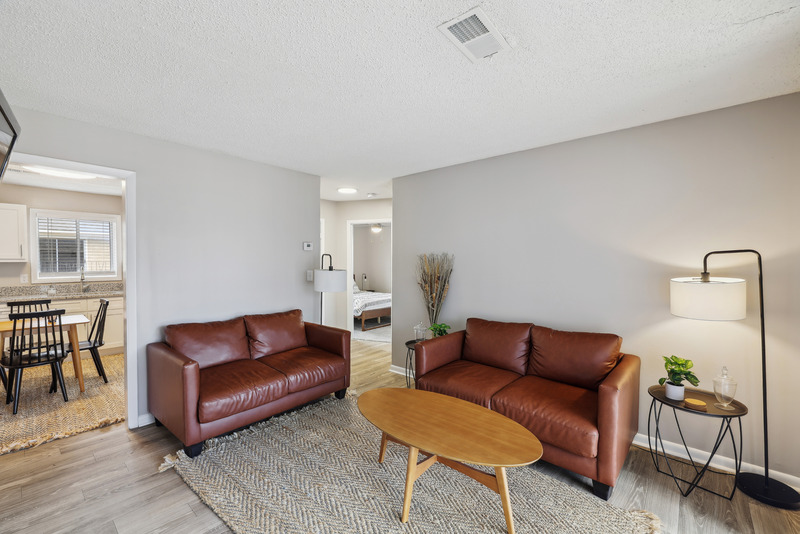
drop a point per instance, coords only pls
(60, 173)
(348, 190)
(376, 228)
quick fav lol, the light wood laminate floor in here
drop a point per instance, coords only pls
(107, 480)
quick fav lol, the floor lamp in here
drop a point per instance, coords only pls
(724, 299)
(328, 280)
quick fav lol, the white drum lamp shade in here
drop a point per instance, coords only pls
(330, 281)
(718, 299)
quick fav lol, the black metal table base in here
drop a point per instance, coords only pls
(410, 374)
(687, 486)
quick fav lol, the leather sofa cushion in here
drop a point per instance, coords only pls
(210, 343)
(234, 387)
(275, 332)
(580, 359)
(467, 380)
(558, 414)
(497, 344)
(306, 367)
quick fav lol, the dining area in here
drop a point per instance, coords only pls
(37, 336)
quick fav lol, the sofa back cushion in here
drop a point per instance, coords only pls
(581, 359)
(210, 343)
(275, 332)
(501, 345)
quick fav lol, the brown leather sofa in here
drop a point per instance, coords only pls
(208, 379)
(575, 391)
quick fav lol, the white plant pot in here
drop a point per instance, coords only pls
(674, 392)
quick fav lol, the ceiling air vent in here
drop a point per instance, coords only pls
(474, 35)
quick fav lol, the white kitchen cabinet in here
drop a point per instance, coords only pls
(13, 233)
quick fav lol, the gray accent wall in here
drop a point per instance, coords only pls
(585, 235)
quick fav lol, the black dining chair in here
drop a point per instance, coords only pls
(36, 339)
(95, 340)
(24, 306)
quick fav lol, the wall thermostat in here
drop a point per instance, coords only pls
(307, 245)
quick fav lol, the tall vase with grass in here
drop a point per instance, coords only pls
(433, 278)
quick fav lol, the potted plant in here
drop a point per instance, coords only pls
(439, 329)
(678, 370)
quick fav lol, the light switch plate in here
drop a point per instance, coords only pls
(307, 245)
(23, 279)
(309, 276)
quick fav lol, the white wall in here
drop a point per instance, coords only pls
(337, 214)
(372, 255)
(216, 236)
(585, 236)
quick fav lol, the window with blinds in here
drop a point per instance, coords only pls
(66, 244)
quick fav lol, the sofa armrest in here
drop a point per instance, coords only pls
(436, 352)
(617, 417)
(173, 391)
(333, 340)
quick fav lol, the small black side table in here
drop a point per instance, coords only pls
(411, 377)
(726, 417)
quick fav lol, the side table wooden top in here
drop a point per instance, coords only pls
(659, 393)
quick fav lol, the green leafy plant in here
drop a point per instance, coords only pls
(678, 370)
(439, 329)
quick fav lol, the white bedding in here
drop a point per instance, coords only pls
(368, 300)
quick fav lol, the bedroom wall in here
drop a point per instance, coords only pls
(216, 236)
(372, 254)
(585, 236)
(338, 311)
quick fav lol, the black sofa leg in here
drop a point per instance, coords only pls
(341, 393)
(159, 423)
(193, 450)
(601, 490)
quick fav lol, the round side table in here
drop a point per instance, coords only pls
(726, 417)
(411, 377)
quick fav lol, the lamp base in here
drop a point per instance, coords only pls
(775, 494)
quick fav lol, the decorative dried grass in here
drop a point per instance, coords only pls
(433, 277)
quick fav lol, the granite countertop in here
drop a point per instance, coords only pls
(68, 291)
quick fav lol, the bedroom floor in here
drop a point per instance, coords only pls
(380, 335)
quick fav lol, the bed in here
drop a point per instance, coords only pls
(369, 305)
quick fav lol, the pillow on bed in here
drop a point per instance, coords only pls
(355, 287)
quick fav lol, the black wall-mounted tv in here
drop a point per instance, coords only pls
(9, 131)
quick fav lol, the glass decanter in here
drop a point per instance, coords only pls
(420, 331)
(724, 390)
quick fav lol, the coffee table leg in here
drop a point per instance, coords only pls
(411, 476)
(382, 454)
(502, 487)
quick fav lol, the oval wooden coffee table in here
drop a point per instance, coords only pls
(450, 431)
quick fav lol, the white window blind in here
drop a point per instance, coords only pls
(67, 243)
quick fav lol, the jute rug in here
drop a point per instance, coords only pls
(316, 470)
(43, 416)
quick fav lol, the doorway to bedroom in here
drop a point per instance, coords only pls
(371, 261)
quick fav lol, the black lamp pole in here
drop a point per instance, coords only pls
(761, 487)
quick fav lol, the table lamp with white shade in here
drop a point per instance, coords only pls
(725, 299)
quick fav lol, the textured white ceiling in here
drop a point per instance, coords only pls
(360, 92)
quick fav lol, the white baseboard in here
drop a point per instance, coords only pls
(719, 462)
(146, 419)
(397, 369)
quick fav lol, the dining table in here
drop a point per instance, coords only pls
(69, 323)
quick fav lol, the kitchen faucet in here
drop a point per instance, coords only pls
(84, 285)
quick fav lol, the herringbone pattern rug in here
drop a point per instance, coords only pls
(316, 470)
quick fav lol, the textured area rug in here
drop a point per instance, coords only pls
(43, 416)
(316, 470)
(380, 335)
